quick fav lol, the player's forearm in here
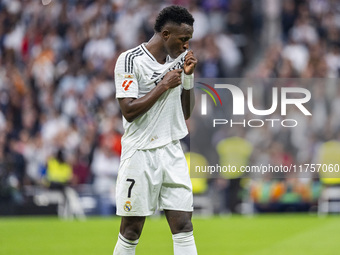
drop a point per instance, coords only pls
(132, 108)
(188, 102)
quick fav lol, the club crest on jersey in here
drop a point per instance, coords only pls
(127, 206)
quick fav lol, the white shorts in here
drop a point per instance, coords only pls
(151, 179)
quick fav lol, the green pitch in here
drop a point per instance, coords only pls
(237, 235)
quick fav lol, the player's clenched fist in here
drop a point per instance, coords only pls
(172, 79)
(189, 63)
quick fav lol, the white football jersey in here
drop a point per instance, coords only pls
(137, 72)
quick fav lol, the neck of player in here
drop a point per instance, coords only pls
(156, 48)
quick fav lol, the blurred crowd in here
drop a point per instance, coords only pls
(299, 46)
(303, 42)
(57, 92)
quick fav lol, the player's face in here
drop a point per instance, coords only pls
(177, 39)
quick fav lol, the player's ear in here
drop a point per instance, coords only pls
(165, 34)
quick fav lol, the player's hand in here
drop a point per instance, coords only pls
(189, 63)
(172, 79)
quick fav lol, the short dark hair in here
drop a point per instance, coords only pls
(176, 14)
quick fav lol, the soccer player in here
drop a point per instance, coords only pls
(154, 86)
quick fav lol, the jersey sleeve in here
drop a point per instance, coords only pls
(125, 78)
